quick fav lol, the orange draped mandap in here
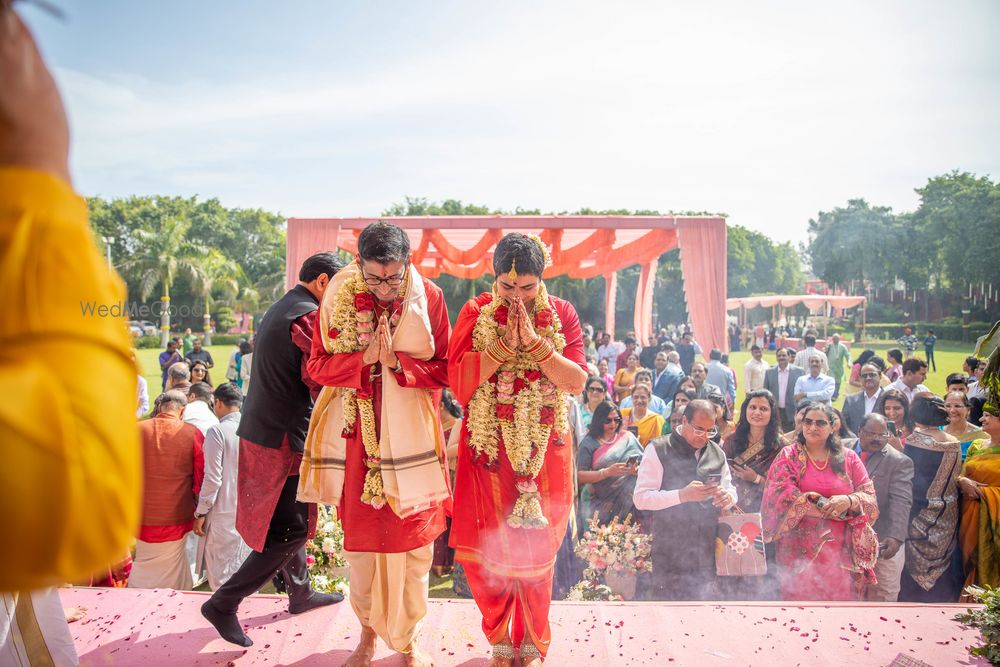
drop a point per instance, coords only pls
(509, 569)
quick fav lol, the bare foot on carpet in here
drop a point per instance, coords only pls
(363, 654)
(74, 614)
(417, 657)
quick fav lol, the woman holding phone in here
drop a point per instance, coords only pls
(818, 509)
(895, 407)
(607, 464)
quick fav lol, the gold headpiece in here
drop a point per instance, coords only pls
(512, 274)
(547, 258)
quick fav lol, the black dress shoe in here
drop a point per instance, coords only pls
(313, 601)
(227, 625)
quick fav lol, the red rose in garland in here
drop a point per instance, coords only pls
(364, 301)
(519, 385)
(505, 411)
(547, 415)
(501, 315)
(543, 318)
(532, 375)
(333, 333)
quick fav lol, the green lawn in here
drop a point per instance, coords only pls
(948, 355)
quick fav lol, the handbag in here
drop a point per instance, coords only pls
(739, 545)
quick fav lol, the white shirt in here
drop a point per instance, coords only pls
(871, 401)
(782, 385)
(649, 496)
(802, 359)
(223, 548)
(909, 393)
(199, 414)
(753, 374)
(611, 352)
(819, 388)
(143, 397)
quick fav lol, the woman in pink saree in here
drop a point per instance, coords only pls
(818, 509)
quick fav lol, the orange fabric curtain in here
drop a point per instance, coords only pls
(581, 247)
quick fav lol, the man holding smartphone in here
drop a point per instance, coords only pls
(685, 483)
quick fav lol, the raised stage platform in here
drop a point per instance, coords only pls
(154, 628)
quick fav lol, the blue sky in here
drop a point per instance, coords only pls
(767, 111)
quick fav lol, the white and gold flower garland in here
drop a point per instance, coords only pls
(519, 405)
(351, 327)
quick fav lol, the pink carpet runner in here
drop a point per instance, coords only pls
(161, 627)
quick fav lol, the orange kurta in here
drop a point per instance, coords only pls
(509, 569)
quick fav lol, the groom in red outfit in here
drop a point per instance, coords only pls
(375, 447)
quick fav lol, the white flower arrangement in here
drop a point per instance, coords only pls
(618, 546)
(325, 554)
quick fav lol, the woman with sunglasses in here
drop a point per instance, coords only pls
(595, 393)
(199, 373)
(607, 464)
(818, 508)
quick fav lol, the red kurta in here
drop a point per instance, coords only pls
(509, 569)
(263, 470)
(367, 529)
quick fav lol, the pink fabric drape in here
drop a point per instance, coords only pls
(703, 263)
(812, 301)
(643, 318)
(581, 247)
(610, 299)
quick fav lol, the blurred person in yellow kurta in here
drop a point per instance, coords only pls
(70, 483)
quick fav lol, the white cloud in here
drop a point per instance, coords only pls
(768, 113)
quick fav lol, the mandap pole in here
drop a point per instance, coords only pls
(864, 307)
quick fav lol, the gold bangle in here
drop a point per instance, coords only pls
(498, 351)
(540, 351)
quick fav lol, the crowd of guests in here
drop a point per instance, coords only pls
(190, 458)
(882, 501)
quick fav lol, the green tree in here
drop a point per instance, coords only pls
(959, 213)
(162, 254)
(852, 243)
(218, 273)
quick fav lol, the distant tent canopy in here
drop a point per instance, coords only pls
(816, 303)
(581, 246)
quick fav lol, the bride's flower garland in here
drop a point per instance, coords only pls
(352, 325)
(519, 406)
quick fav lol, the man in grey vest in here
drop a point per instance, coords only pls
(272, 434)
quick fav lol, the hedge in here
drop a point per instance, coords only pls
(149, 342)
(942, 330)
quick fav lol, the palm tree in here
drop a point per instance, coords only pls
(219, 273)
(164, 254)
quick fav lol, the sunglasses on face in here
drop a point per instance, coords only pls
(814, 422)
(613, 420)
(595, 388)
(869, 375)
